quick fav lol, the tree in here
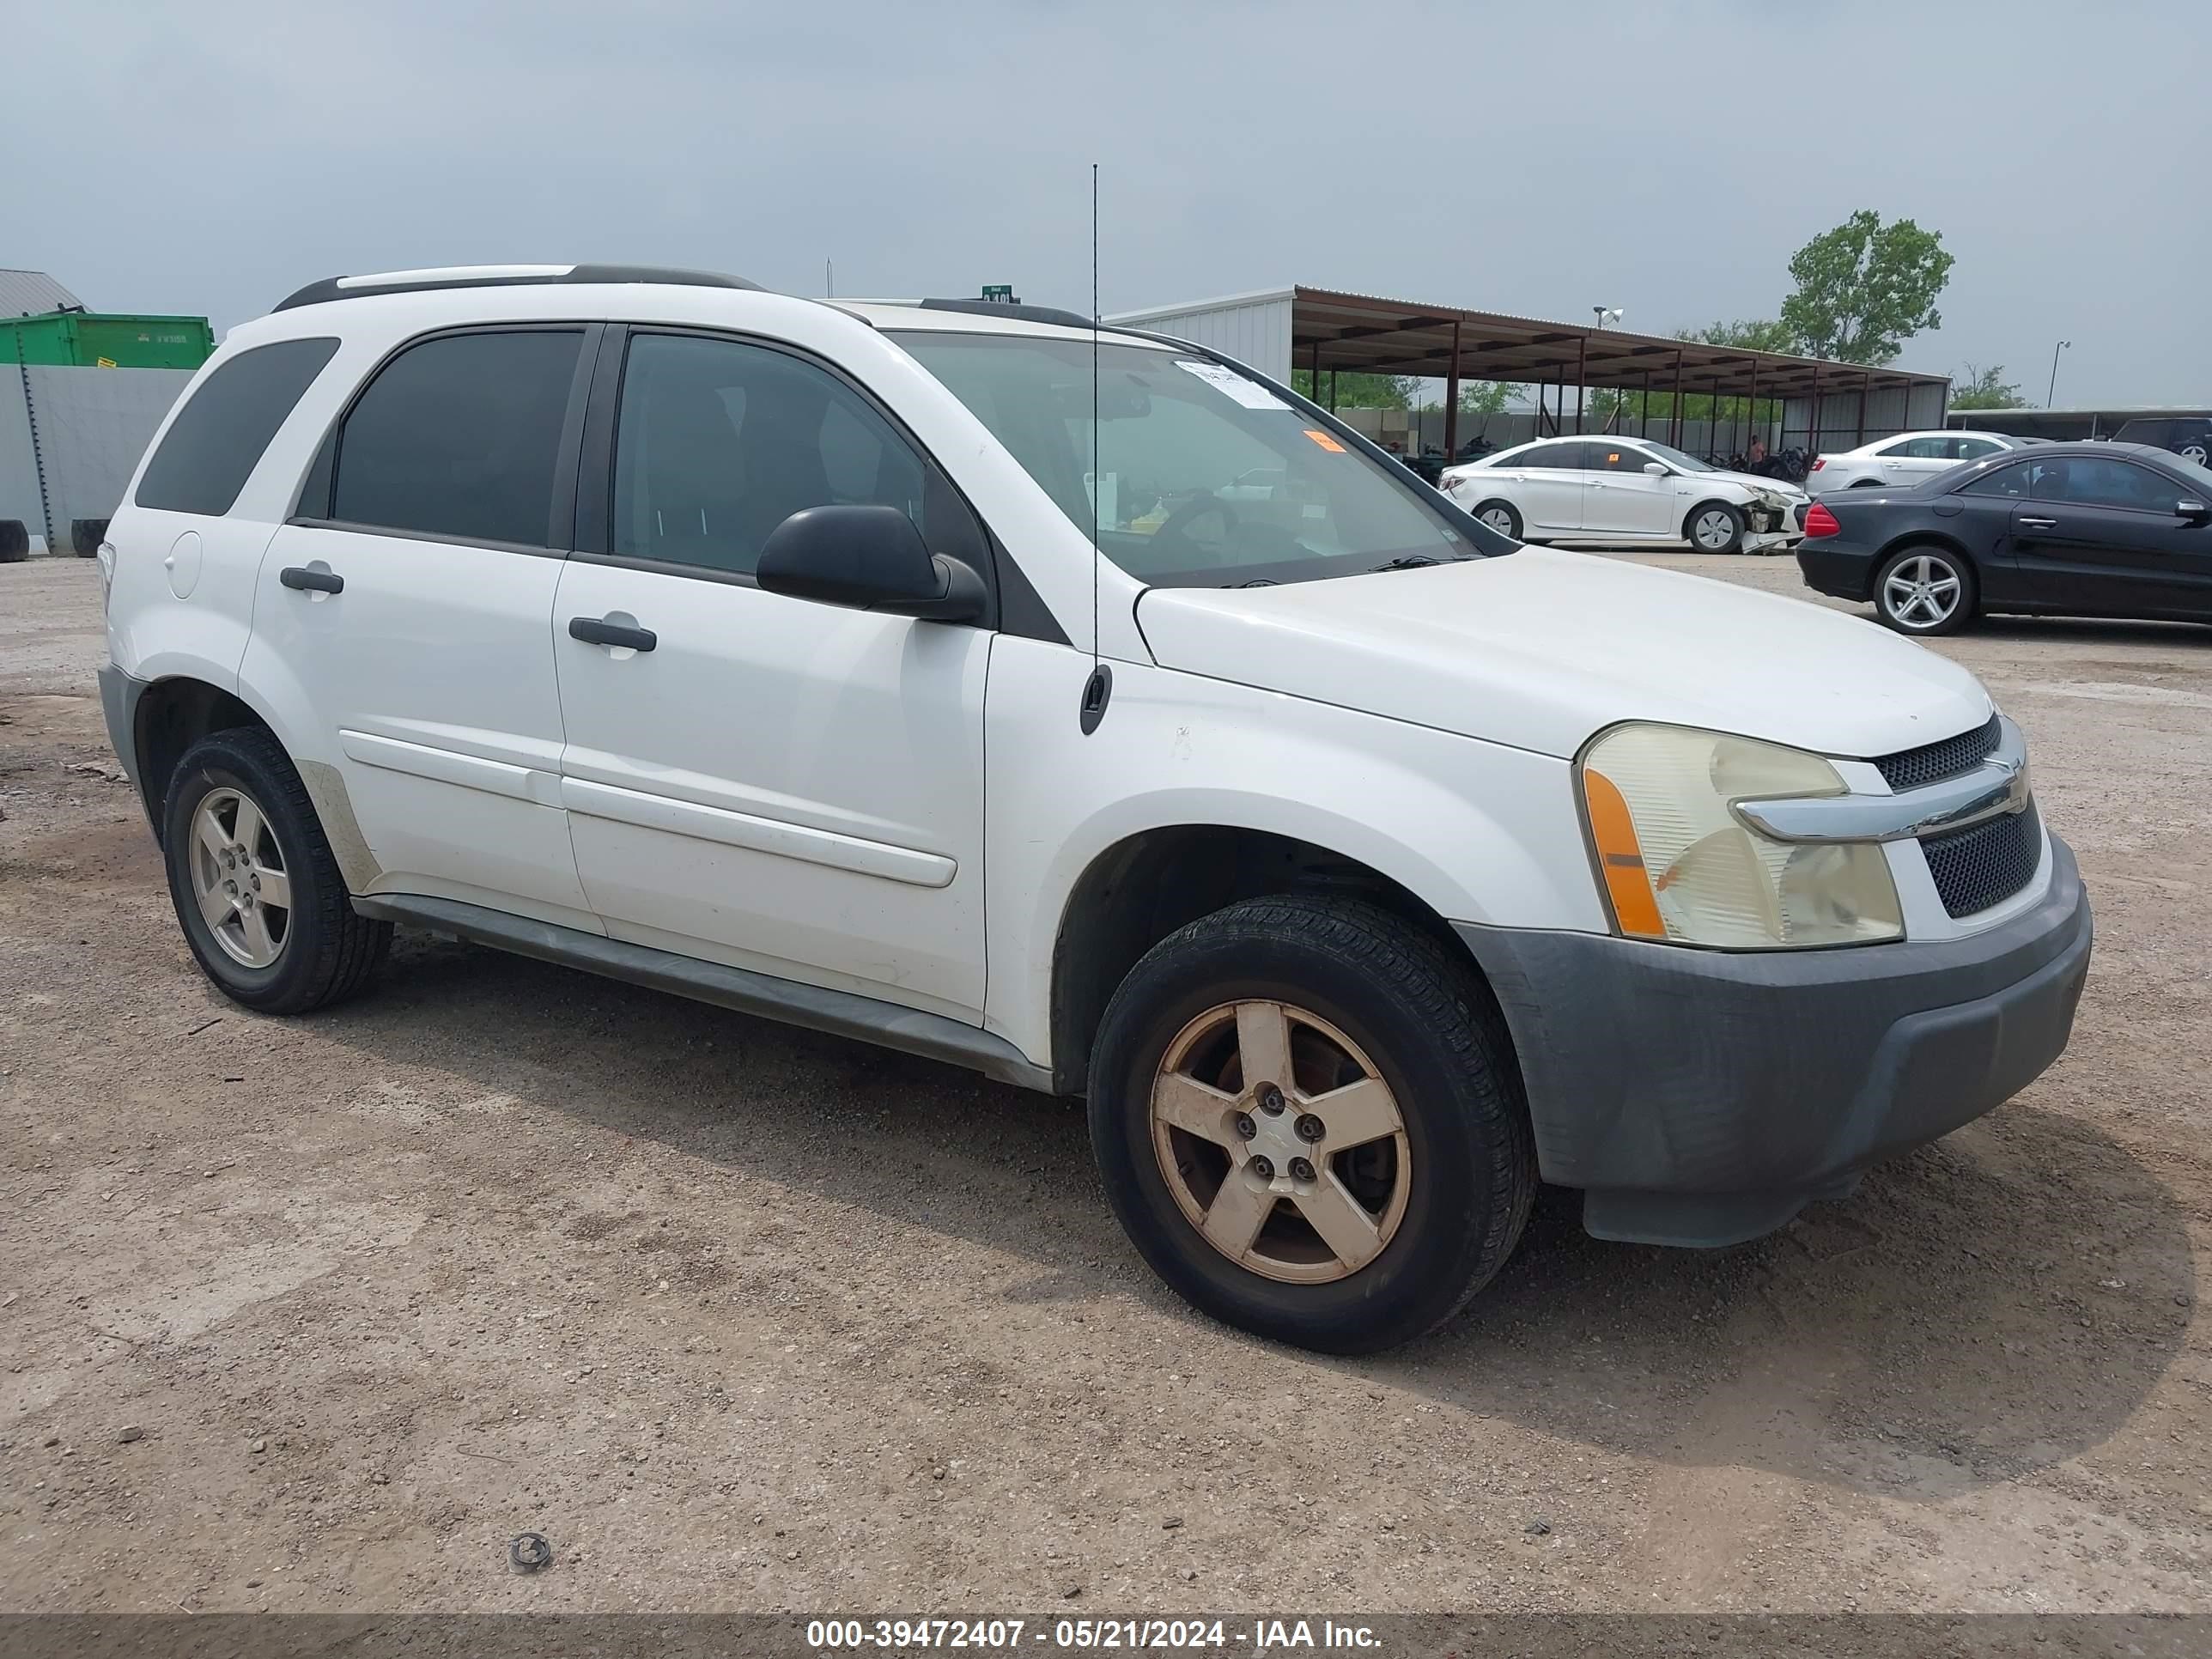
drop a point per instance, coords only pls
(1755, 334)
(1358, 390)
(1484, 398)
(1987, 388)
(1864, 288)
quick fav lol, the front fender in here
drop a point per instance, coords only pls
(1478, 831)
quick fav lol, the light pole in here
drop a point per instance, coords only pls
(2053, 391)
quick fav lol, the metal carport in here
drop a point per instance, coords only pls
(1328, 332)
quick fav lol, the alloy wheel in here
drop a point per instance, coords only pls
(1281, 1142)
(238, 878)
(1498, 519)
(1921, 591)
(1713, 530)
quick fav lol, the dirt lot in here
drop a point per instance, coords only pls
(316, 1313)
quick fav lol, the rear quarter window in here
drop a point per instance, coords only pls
(213, 446)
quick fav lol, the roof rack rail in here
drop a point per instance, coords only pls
(427, 280)
(1019, 313)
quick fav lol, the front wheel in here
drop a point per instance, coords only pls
(1924, 591)
(256, 887)
(1309, 1120)
(1714, 527)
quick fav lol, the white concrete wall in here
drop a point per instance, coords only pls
(1252, 328)
(93, 425)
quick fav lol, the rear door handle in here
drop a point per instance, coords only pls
(2039, 524)
(303, 580)
(594, 631)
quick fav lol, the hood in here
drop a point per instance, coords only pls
(1540, 649)
(1781, 487)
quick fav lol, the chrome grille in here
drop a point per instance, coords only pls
(1986, 864)
(1909, 769)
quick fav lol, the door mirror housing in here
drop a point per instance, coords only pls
(2192, 511)
(867, 558)
(1655, 469)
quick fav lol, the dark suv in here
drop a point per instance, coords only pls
(2189, 436)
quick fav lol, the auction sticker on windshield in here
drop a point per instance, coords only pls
(1252, 395)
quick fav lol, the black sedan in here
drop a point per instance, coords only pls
(2080, 530)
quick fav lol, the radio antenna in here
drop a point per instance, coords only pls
(1098, 482)
(1100, 686)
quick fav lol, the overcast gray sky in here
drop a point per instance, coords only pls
(1665, 157)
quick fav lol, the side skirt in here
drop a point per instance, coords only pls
(840, 1013)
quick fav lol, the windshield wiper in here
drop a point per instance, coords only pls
(1409, 561)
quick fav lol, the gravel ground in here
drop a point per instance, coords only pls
(316, 1314)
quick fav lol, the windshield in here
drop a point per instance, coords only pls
(1204, 477)
(1676, 458)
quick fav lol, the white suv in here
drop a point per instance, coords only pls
(830, 662)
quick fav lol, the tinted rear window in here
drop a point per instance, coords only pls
(211, 447)
(460, 436)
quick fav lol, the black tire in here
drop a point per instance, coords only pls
(14, 541)
(1437, 1041)
(1867, 483)
(1511, 526)
(1942, 560)
(1690, 520)
(327, 952)
(86, 536)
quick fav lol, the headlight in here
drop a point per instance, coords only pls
(1677, 863)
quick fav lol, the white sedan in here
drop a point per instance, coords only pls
(1614, 489)
(1905, 459)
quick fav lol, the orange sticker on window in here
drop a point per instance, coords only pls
(1325, 442)
(1612, 458)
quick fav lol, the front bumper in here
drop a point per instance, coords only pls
(1704, 1098)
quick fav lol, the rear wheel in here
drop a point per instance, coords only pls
(1309, 1119)
(256, 888)
(1714, 527)
(1500, 516)
(1924, 591)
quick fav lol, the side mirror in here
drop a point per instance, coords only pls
(2191, 511)
(1655, 469)
(866, 558)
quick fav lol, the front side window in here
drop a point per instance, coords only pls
(718, 442)
(1616, 458)
(1202, 476)
(213, 446)
(459, 436)
(2092, 481)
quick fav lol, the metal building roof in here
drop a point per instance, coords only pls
(1332, 330)
(32, 293)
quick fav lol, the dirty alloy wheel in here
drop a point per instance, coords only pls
(1714, 527)
(1924, 592)
(255, 885)
(1309, 1119)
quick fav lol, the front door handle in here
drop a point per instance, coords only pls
(592, 630)
(303, 580)
(2039, 524)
